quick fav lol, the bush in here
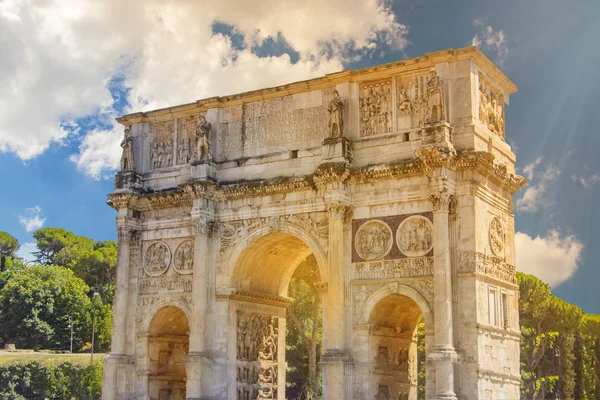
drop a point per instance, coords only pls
(33, 381)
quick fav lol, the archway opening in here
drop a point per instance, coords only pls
(168, 343)
(393, 345)
(271, 271)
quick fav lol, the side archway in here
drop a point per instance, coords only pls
(400, 289)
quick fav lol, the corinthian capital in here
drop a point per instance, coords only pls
(127, 234)
(204, 226)
(441, 201)
(339, 211)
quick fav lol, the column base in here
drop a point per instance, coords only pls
(119, 377)
(335, 364)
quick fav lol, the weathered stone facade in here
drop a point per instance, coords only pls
(395, 181)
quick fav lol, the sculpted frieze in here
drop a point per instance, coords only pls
(479, 263)
(157, 258)
(420, 100)
(373, 240)
(166, 284)
(390, 269)
(256, 344)
(184, 257)
(375, 108)
(414, 236)
(491, 108)
(186, 144)
(161, 147)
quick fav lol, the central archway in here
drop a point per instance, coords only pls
(260, 278)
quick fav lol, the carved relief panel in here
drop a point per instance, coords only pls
(491, 108)
(375, 108)
(257, 337)
(420, 100)
(184, 257)
(161, 148)
(157, 258)
(373, 240)
(393, 237)
(414, 236)
(186, 141)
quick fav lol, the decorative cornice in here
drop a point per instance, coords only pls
(201, 190)
(120, 200)
(422, 63)
(331, 172)
(433, 156)
(483, 162)
(261, 298)
(403, 169)
(265, 187)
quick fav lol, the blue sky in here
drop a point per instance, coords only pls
(69, 68)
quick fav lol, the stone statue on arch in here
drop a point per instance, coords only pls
(203, 152)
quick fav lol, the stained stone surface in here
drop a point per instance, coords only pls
(394, 183)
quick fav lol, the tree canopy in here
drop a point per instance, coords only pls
(8, 248)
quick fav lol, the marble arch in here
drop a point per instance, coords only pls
(370, 171)
(391, 289)
(305, 244)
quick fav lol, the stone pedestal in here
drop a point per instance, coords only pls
(119, 378)
(127, 180)
(203, 170)
(336, 149)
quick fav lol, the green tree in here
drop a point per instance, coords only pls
(97, 268)
(303, 339)
(31, 381)
(58, 246)
(8, 248)
(35, 305)
(548, 325)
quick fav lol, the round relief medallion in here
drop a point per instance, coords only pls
(157, 259)
(373, 240)
(183, 261)
(496, 236)
(414, 236)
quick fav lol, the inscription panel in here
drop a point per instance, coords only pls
(273, 125)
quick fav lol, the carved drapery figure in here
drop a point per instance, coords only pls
(404, 104)
(161, 149)
(402, 358)
(491, 109)
(202, 139)
(435, 102)
(336, 116)
(376, 108)
(373, 240)
(127, 163)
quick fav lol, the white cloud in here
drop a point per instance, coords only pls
(32, 220)
(26, 250)
(586, 182)
(553, 258)
(58, 57)
(534, 196)
(490, 39)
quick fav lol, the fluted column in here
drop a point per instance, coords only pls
(443, 354)
(117, 355)
(202, 226)
(334, 357)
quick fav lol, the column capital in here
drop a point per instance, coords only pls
(441, 202)
(203, 226)
(339, 211)
(120, 201)
(127, 234)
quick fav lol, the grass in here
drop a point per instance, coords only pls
(7, 358)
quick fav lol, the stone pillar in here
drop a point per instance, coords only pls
(202, 225)
(117, 357)
(443, 355)
(334, 357)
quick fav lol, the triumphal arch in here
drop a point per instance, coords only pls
(395, 182)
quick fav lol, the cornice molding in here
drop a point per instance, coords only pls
(483, 162)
